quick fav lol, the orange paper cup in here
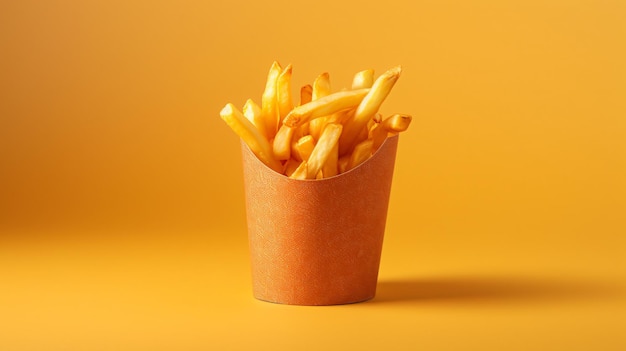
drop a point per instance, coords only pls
(317, 242)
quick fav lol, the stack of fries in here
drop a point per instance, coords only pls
(327, 134)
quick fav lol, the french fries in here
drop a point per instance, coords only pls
(327, 134)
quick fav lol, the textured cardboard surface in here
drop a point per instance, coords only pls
(317, 242)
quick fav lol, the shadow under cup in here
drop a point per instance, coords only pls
(317, 242)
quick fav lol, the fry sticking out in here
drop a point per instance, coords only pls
(368, 108)
(269, 101)
(322, 150)
(252, 112)
(363, 79)
(325, 106)
(321, 88)
(283, 87)
(250, 135)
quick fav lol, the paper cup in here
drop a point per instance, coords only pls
(317, 242)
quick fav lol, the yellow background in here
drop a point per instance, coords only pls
(122, 223)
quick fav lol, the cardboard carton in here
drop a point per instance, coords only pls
(317, 242)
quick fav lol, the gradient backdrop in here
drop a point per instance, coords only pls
(121, 200)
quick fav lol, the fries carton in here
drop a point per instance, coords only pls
(317, 242)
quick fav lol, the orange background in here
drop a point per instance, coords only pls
(122, 222)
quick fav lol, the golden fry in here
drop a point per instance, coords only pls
(252, 112)
(295, 154)
(306, 94)
(283, 85)
(250, 135)
(282, 143)
(342, 164)
(327, 105)
(328, 140)
(321, 88)
(391, 125)
(363, 79)
(290, 166)
(269, 101)
(368, 107)
(305, 146)
(330, 167)
(378, 134)
(378, 93)
(362, 151)
(300, 172)
(341, 117)
(397, 123)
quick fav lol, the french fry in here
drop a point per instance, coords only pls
(282, 143)
(362, 152)
(368, 107)
(378, 134)
(306, 94)
(330, 167)
(391, 125)
(327, 105)
(250, 135)
(283, 85)
(342, 164)
(305, 146)
(301, 131)
(252, 112)
(321, 88)
(363, 79)
(397, 123)
(341, 117)
(300, 172)
(291, 165)
(269, 102)
(378, 93)
(295, 154)
(322, 150)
